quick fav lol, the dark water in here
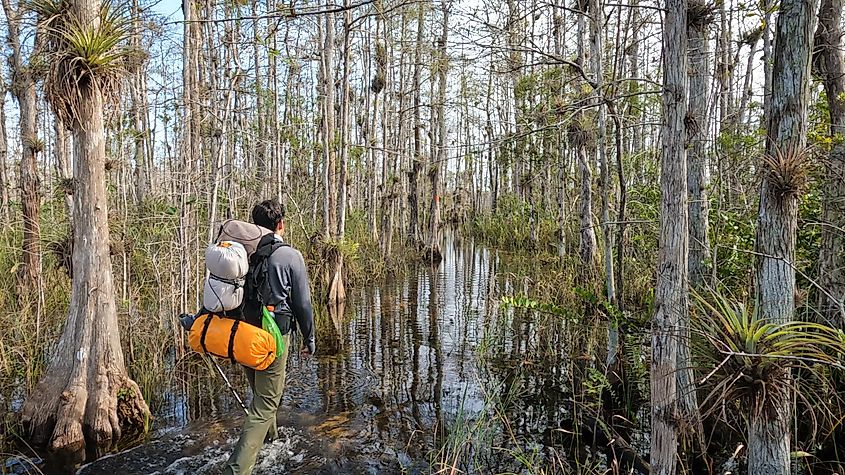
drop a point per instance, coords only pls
(419, 373)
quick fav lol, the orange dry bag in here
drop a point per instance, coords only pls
(228, 338)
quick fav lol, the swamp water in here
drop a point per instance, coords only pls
(421, 372)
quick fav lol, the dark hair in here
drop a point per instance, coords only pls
(268, 214)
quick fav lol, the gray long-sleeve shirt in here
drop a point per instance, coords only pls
(290, 291)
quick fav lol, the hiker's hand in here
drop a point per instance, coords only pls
(308, 350)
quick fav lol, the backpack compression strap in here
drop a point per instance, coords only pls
(231, 349)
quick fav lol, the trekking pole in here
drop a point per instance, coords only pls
(226, 380)
(186, 321)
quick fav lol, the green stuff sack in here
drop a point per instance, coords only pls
(268, 323)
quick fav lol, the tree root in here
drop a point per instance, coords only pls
(95, 411)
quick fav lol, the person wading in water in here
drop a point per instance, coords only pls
(278, 280)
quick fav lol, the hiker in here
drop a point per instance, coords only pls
(286, 292)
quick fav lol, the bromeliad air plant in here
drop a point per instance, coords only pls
(76, 53)
(755, 362)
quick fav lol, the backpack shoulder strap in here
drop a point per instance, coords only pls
(258, 265)
(266, 247)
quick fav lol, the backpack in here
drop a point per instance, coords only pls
(227, 262)
(257, 284)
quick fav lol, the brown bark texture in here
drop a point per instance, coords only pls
(85, 396)
(24, 91)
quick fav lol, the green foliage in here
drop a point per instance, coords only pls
(734, 234)
(510, 226)
(808, 246)
(752, 358)
(524, 302)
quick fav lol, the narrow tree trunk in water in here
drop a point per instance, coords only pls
(671, 289)
(830, 64)
(596, 49)
(329, 172)
(337, 288)
(85, 395)
(433, 252)
(768, 432)
(344, 124)
(416, 161)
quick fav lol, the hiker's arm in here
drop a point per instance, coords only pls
(301, 301)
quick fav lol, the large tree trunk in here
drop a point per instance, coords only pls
(670, 299)
(768, 434)
(699, 18)
(830, 64)
(86, 395)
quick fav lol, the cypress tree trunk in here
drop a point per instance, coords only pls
(699, 17)
(670, 299)
(830, 64)
(29, 184)
(416, 163)
(85, 395)
(768, 433)
(328, 130)
(23, 89)
(698, 176)
(63, 165)
(433, 252)
(578, 138)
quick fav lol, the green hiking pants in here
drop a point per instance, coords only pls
(267, 388)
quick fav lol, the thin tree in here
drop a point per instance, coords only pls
(417, 160)
(579, 138)
(699, 17)
(433, 252)
(4, 172)
(86, 395)
(24, 91)
(784, 167)
(829, 63)
(670, 300)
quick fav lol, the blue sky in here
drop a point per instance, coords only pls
(170, 9)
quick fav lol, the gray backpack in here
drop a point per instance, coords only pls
(227, 262)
